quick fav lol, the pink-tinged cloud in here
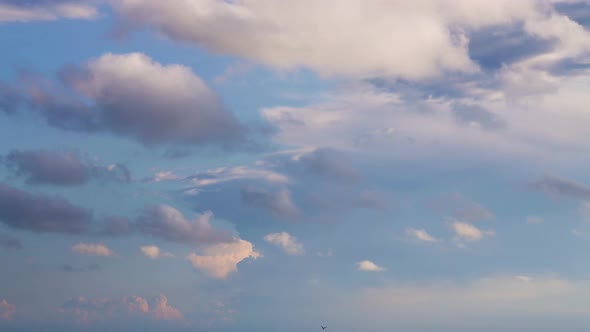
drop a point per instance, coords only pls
(105, 309)
(162, 311)
(7, 310)
(220, 260)
(97, 249)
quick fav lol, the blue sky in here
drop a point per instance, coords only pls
(257, 165)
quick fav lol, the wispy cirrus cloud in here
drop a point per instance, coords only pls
(45, 10)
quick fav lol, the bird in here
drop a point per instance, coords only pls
(323, 327)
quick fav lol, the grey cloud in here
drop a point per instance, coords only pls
(64, 168)
(494, 47)
(165, 222)
(88, 268)
(329, 163)
(63, 112)
(460, 207)
(11, 99)
(468, 114)
(118, 226)
(49, 167)
(578, 11)
(153, 103)
(561, 187)
(9, 242)
(41, 213)
(280, 203)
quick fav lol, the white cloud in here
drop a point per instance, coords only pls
(315, 36)
(369, 266)
(154, 252)
(286, 242)
(226, 174)
(421, 235)
(46, 11)
(95, 249)
(468, 232)
(220, 260)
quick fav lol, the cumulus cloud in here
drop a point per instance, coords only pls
(9, 242)
(7, 310)
(280, 203)
(86, 310)
(468, 232)
(287, 38)
(94, 249)
(154, 252)
(369, 266)
(41, 213)
(285, 241)
(134, 96)
(45, 10)
(421, 235)
(165, 222)
(220, 260)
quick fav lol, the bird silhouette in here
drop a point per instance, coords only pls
(323, 327)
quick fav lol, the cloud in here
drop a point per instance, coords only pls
(49, 167)
(88, 268)
(239, 173)
(468, 232)
(94, 249)
(165, 222)
(328, 163)
(561, 187)
(118, 226)
(45, 10)
(369, 266)
(220, 260)
(133, 96)
(280, 203)
(87, 310)
(285, 241)
(9, 242)
(468, 301)
(421, 235)
(316, 37)
(7, 310)
(154, 252)
(41, 213)
(471, 115)
(533, 220)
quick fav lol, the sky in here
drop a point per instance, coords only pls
(264, 165)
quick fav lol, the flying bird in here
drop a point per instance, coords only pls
(323, 327)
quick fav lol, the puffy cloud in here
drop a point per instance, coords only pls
(154, 252)
(87, 310)
(286, 242)
(9, 242)
(7, 310)
(45, 10)
(280, 204)
(95, 249)
(49, 167)
(41, 213)
(314, 36)
(136, 97)
(561, 187)
(421, 235)
(165, 222)
(220, 260)
(369, 266)
(468, 232)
